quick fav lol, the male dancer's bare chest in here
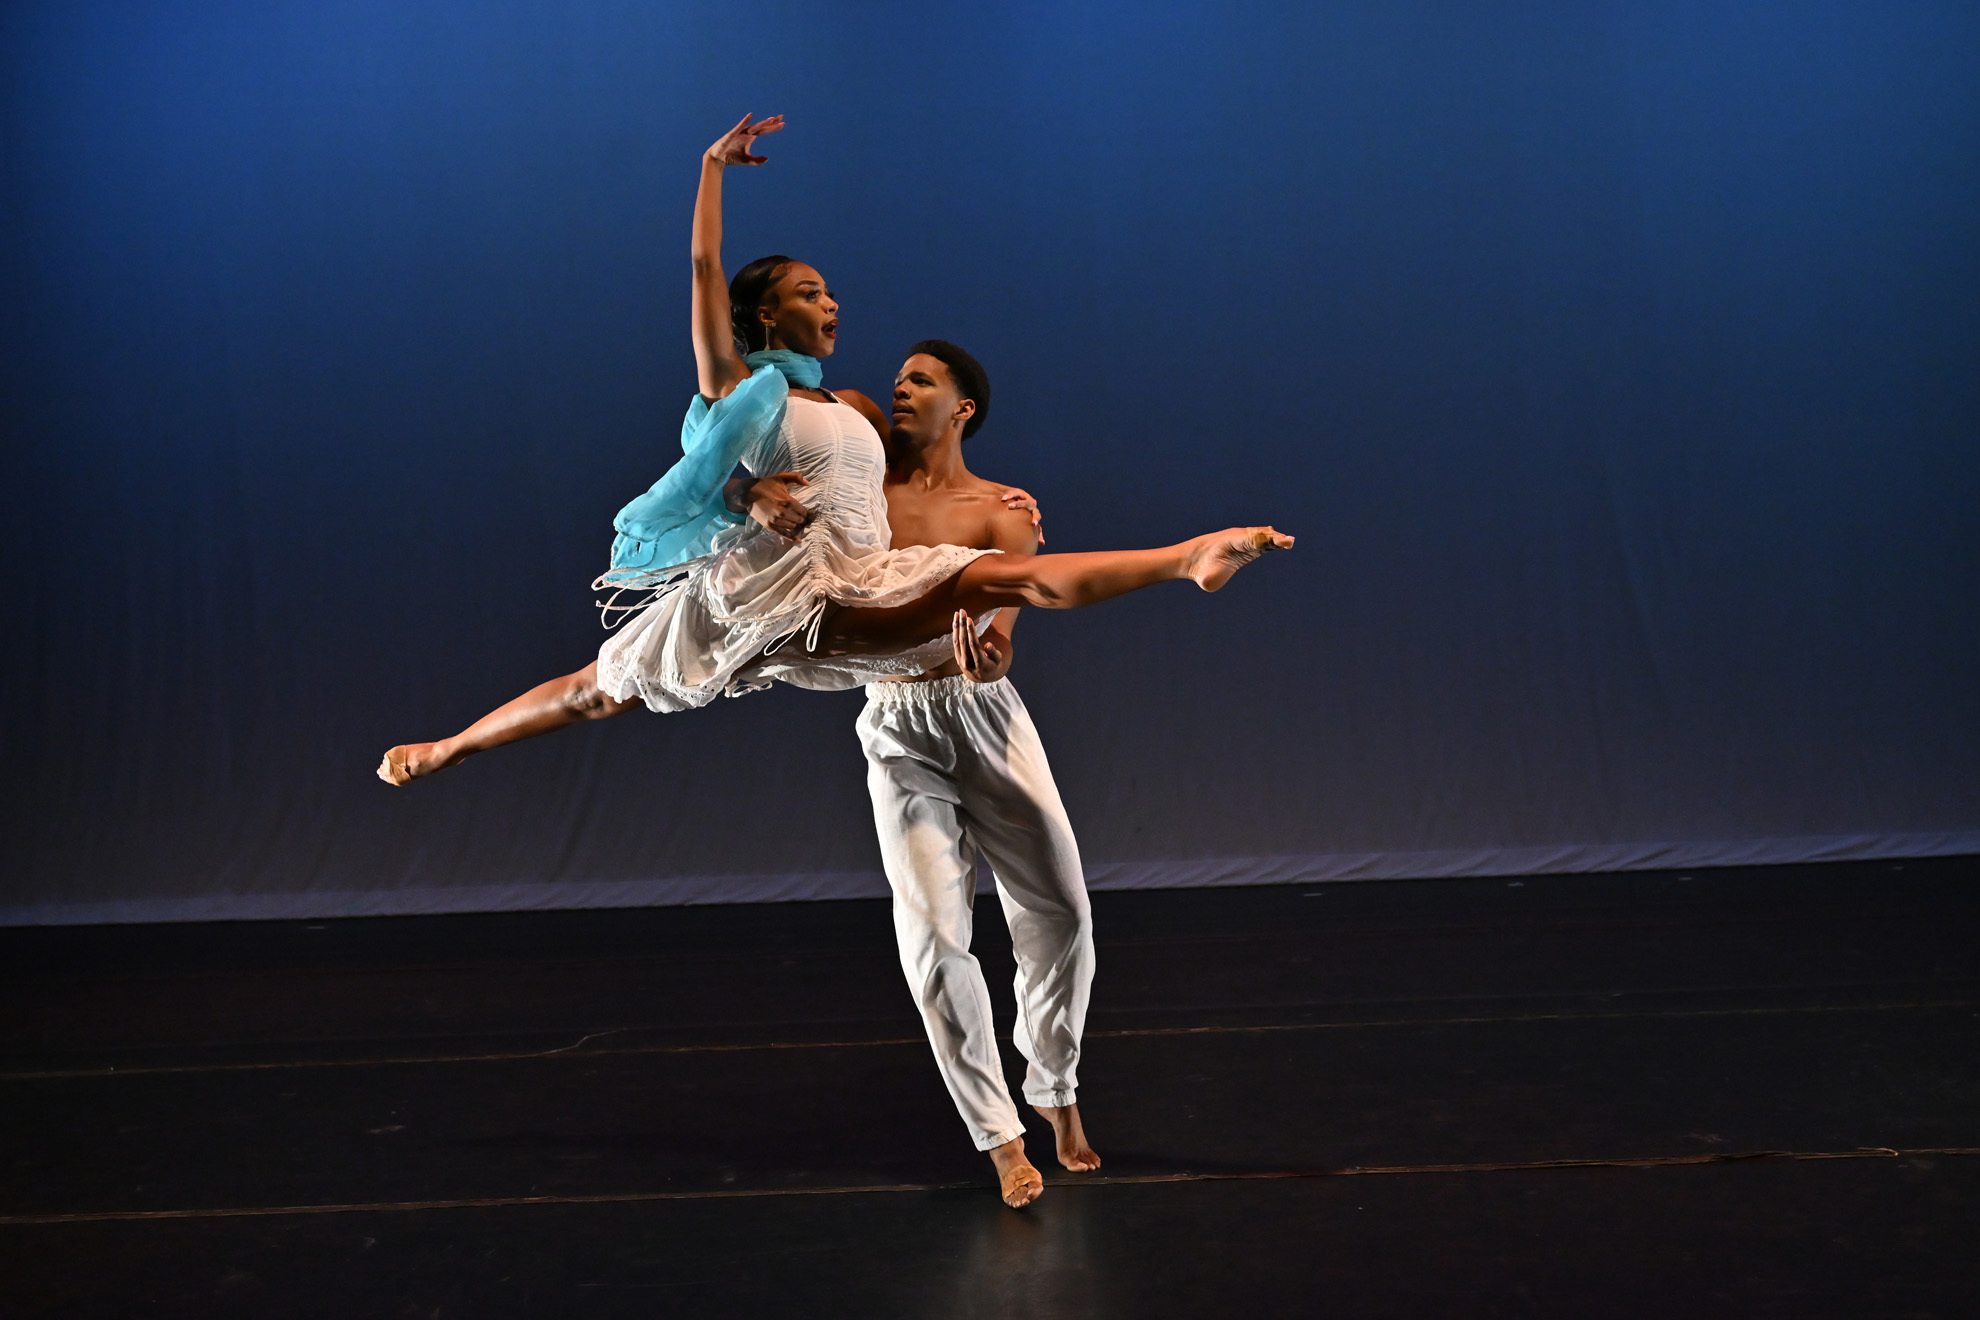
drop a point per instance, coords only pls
(939, 518)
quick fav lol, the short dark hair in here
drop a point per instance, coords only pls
(747, 292)
(972, 381)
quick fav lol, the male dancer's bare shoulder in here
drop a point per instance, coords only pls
(971, 511)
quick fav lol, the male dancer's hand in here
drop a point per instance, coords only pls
(1017, 499)
(981, 659)
(770, 502)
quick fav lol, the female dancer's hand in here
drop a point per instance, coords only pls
(770, 502)
(980, 658)
(1017, 499)
(733, 147)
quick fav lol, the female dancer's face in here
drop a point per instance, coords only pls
(802, 313)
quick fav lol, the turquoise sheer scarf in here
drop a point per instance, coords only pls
(804, 372)
(678, 518)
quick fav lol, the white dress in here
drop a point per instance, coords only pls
(737, 618)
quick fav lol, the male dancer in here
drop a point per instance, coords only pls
(955, 769)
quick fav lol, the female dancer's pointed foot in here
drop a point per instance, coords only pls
(1070, 1137)
(1215, 558)
(406, 763)
(1017, 1181)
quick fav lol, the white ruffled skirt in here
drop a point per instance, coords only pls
(740, 618)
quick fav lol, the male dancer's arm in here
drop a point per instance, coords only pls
(986, 657)
(771, 501)
(1015, 529)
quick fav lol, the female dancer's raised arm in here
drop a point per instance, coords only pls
(719, 368)
(576, 697)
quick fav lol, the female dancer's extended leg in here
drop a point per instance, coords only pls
(1053, 582)
(542, 709)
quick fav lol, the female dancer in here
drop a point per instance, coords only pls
(826, 604)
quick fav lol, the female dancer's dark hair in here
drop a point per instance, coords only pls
(747, 291)
(972, 381)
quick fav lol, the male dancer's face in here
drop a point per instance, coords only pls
(926, 400)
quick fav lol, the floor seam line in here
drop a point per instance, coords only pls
(1124, 1180)
(575, 1050)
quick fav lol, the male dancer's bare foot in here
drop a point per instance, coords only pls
(1017, 1181)
(1074, 1153)
(412, 761)
(1215, 558)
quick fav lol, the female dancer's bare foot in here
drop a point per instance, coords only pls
(1213, 559)
(1074, 1153)
(411, 761)
(1017, 1181)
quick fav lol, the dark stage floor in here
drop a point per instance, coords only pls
(1737, 1093)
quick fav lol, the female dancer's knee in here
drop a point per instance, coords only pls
(1003, 581)
(1043, 593)
(583, 699)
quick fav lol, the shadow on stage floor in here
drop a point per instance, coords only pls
(1740, 1093)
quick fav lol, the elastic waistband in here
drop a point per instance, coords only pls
(932, 690)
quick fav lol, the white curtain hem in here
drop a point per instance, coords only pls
(1187, 873)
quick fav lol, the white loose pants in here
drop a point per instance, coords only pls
(955, 770)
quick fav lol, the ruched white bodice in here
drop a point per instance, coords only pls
(733, 622)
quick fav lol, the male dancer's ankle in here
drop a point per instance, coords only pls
(1018, 1181)
(1069, 1137)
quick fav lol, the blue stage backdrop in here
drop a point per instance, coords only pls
(1618, 367)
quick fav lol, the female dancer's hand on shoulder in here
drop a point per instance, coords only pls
(733, 147)
(1020, 500)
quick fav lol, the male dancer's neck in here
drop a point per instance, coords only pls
(930, 463)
